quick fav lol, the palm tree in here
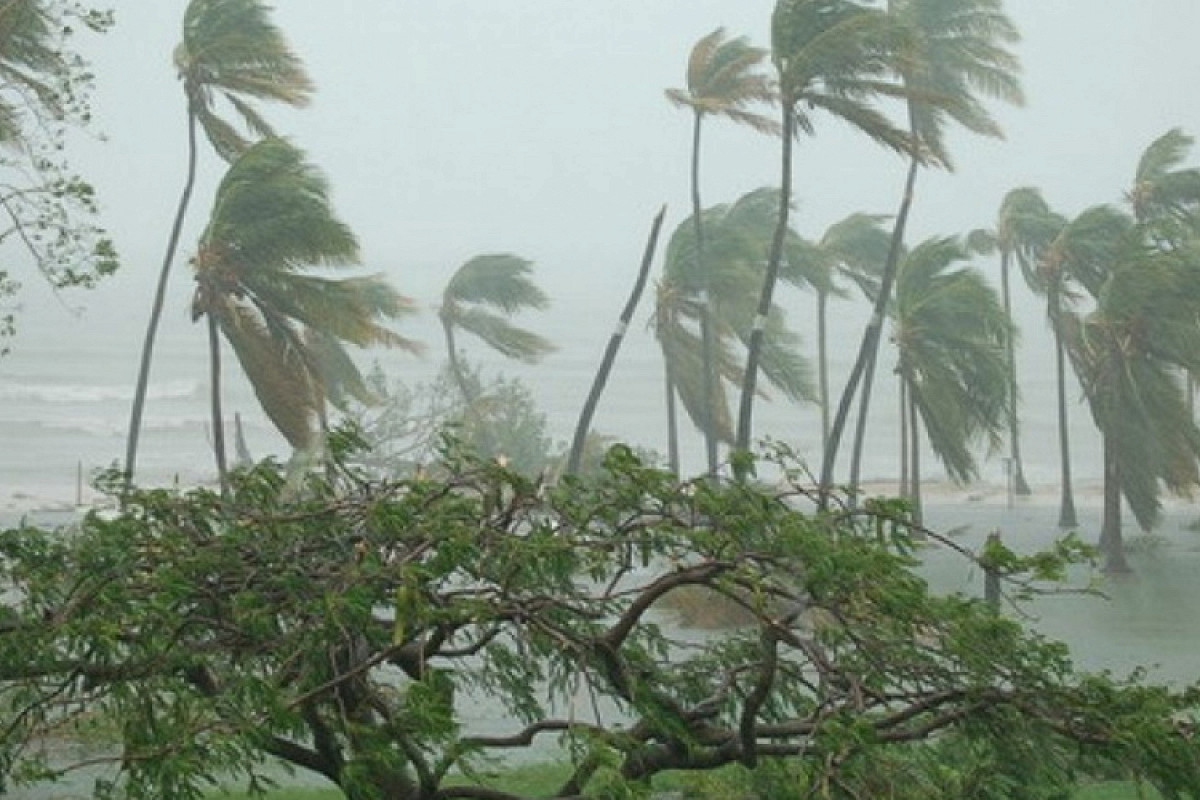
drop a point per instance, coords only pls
(1165, 194)
(585, 440)
(722, 81)
(855, 248)
(1024, 228)
(230, 51)
(949, 52)
(737, 240)
(1128, 353)
(1081, 255)
(831, 56)
(271, 222)
(952, 335)
(479, 298)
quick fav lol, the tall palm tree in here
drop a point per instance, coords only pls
(855, 248)
(948, 54)
(231, 52)
(833, 57)
(479, 298)
(1128, 353)
(737, 237)
(1025, 226)
(951, 334)
(723, 80)
(271, 222)
(585, 440)
(1078, 258)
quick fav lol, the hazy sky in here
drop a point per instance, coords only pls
(455, 127)
(450, 128)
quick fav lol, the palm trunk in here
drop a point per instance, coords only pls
(456, 367)
(914, 478)
(160, 294)
(614, 344)
(672, 425)
(823, 366)
(904, 444)
(707, 356)
(218, 423)
(754, 348)
(860, 432)
(1066, 514)
(864, 364)
(1111, 542)
(1014, 439)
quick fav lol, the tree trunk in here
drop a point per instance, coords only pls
(672, 425)
(823, 365)
(160, 295)
(1014, 439)
(614, 344)
(456, 367)
(218, 422)
(865, 362)
(1111, 541)
(755, 345)
(1066, 514)
(914, 478)
(904, 444)
(707, 356)
(860, 430)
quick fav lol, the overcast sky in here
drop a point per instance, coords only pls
(450, 128)
(454, 127)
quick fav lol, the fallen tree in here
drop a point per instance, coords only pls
(345, 631)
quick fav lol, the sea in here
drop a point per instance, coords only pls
(67, 385)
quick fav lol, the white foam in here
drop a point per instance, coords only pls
(60, 394)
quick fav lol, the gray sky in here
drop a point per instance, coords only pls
(455, 127)
(450, 128)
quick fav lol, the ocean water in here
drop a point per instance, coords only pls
(66, 389)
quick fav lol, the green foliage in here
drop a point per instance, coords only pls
(737, 238)
(48, 210)
(272, 225)
(952, 338)
(345, 628)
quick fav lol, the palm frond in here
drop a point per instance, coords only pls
(501, 335)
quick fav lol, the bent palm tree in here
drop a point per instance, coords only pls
(722, 80)
(737, 237)
(231, 51)
(1130, 350)
(855, 248)
(952, 336)
(948, 53)
(479, 298)
(1128, 354)
(831, 56)
(271, 221)
(1025, 226)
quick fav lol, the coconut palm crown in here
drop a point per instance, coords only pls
(272, 223)
(231, 50)
(479, 299)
